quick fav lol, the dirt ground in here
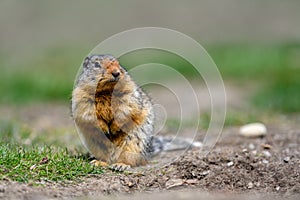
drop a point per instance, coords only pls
(238, 167)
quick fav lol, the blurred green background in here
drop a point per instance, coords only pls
(44, 42)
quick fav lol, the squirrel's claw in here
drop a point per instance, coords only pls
(120, 167)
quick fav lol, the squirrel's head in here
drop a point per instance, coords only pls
(102, 69)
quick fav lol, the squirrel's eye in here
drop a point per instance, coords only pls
(97, 64)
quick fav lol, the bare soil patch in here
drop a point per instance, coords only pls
(239, 167)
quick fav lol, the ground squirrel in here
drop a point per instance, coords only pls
(113, 116)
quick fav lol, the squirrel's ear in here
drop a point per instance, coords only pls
(86, 62)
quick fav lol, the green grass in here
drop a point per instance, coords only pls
(35, 164)
(255, 61)
(20, 162)
(282, 93)
(49, 74)
(46, 76)
(275, 69)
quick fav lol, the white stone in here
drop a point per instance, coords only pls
(265, 161)
(253, 130)
(286, 159)
(251, 146)
(205, 173)
(245, 150)
(250, 185)
(267, 153)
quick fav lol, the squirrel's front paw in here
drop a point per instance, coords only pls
(98, 163)
(120, 167)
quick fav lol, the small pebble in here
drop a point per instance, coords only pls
(250, 185)
(245, 150)
(267, 153)
(230, 164)
(129, 184)
(286, 159)
(278, 188)
(253, 130)
(266, 146)
(174, 183)
(265, 161)
(204, 173)
(251, 146)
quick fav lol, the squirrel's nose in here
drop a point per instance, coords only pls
(115, 74)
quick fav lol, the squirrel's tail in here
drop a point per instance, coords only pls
(167, 143)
